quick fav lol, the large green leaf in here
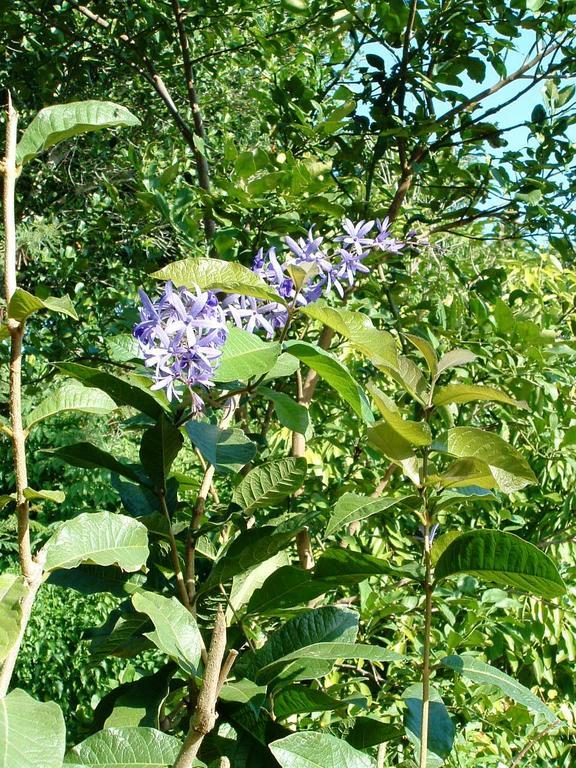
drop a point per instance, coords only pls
(485, 674)
(351, 507)
(440, 727)
(71, 396)
(23, 304)
(308, 749)
(296, 700)
(101, 538)
(228, 450)
(502, 558)
(408, 375)
(215, 274)
(509, 468)
(284, 588)
(290, 414)
(90, 456)
(383, 438)
(455, 358)
(133, 391)
(159, 447)
(334, 651)
(414, 432)
(334, 373)
(32, 733)
(176, 632)
(62, 121)
(125, 748)
(270, 483)
(378, 346)
(468, 393)
(245, 355)
(134, 704)
(249, 549)
(245, 584)
(91, 579)
(12, 591)
(345, 566)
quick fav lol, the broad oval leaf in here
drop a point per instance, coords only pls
(441, 729)
(217, 275)
(351, 507)
(503, 558)
(455, 358)
(509, 468)
(290, 414)
(176, 632)
(485, 674)
(408, 375)
(89, 456)
(414, 432)
(297, 700)
(228, 450)
(284, 588)
(101, 538)
(308, 749)
(270, 483)
(12, 591)
(245, 355)
(345, 566)
(468, 393)
(71, 396)
(125, 748)
(32, 733)
(334, 373)
(62, 121)
(23, 304)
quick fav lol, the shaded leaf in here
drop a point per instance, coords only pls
(440, 727)
(228, 450)
(286, 587)
(90, 456)
(289, 413)
(158, 449)
(12, 591)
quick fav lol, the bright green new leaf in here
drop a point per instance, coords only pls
(468, 393)
(408, 375)
(62, 121)
(308, 749)
(101, 538)
(270, 483)
(509, 468)
(414, 432)
(245, 355)
(23, 304)
(125, 748)
(215, 274)
(32, 733)
(351, 507)
(71, 396)
(455, 358)
(485, 674)
(57, 497)
(228, 450)
(176, 632)
(502, 558)
(245, 584)
(335, 374)
(12, 592)
(426, 350)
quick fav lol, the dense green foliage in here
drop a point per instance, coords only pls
(446, 395)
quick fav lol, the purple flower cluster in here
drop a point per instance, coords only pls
(181, 336)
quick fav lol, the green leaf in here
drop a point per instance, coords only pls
(509, 468)
(32, 733)
(334, 651)
(318, 750)
(534, 5)
(12, 591)
(335, 374)
(409, 376)
(454, 359)
(369, 732)
(71, 396)
(158, 449)
(390, 443)
(215, 274)
(177, 634)
(101, 538)
(440, 727)
(62, 121)
(270, 483)
(297, 700)
(245, 355)
(245, 584)
(228, 450)
(249, 549)
(136, 703)
(284, 588)
(290, 414)
(56, 497)
(132, 391)
(485, 674)
(502, 558)
(414, 432)
(464, 473)
(467, 393)
(378, 346)
(89, 456)
(344, 566)
(286, 365)
(351, 507)
(426, 350)
(23, 304)
(91, 579)
(318, 625)
(125, 748)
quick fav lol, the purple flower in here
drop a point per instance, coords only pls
(384, 240)
(349, 264)
(356, 235)
(181, 336)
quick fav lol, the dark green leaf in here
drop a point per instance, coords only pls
(270, 483)
(159, 447)
(440, 726)
(286, 587)
(90, 456)
(290, 414)
(228, 450)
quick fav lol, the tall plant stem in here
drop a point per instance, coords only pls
(428, 589)
(31, 570)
